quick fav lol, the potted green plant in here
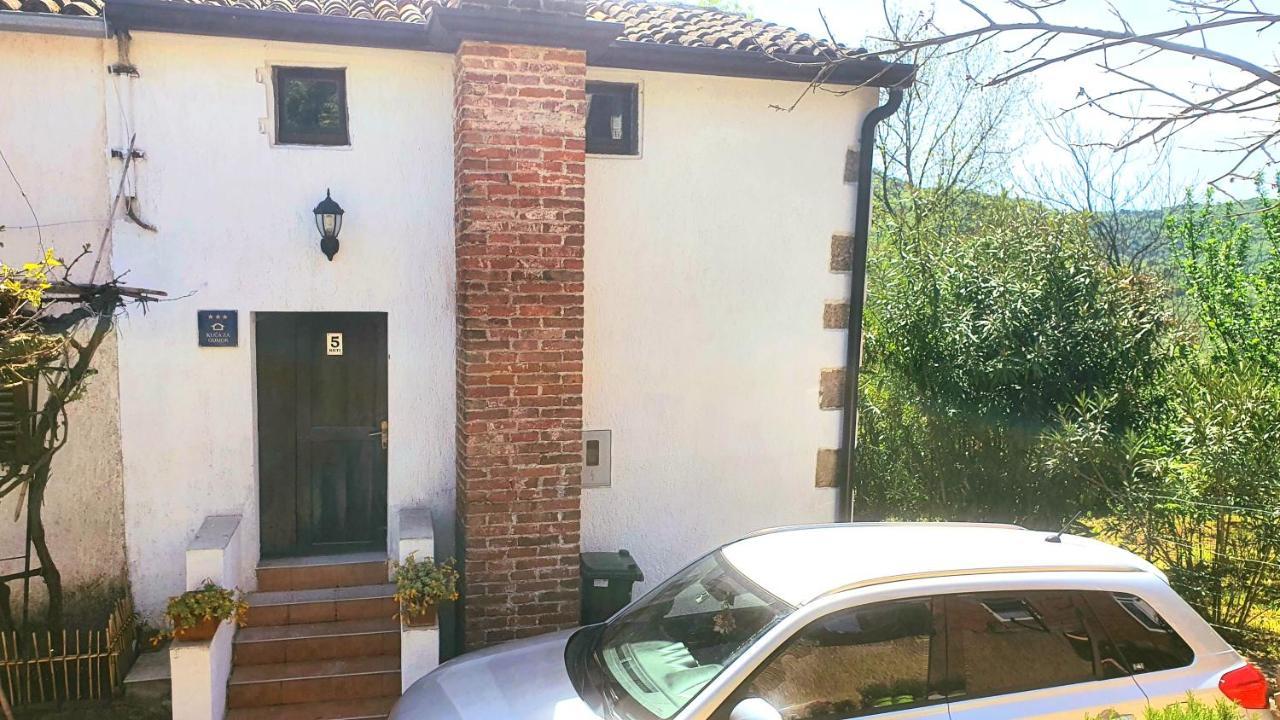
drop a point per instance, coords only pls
(421, 585)
(196, 614)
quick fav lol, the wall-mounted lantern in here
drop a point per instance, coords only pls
(329, 223)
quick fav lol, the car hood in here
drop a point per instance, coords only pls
(522, 680)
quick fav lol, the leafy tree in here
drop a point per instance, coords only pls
(50, 331)
(1014, 318)
(982, 326)
(1230, 264)
(1195, 485)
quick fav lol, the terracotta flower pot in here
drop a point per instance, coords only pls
(425, 618)
(200, 632)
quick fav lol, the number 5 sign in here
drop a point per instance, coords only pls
(333, 343)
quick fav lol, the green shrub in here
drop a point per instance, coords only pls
(980, 330)
(1193, 709)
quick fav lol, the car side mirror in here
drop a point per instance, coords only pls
(754, 709)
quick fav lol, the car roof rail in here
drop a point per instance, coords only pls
(888, 523)
(970, 572)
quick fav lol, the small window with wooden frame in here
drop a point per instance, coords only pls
(613, 118)
(311, 106)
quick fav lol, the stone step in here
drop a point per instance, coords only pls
(322, 571)
(316, 641)
(292, 607)
(366, 709)
(295, 683)
(148, 680)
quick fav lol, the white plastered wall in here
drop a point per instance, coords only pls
(706, 274)
(236, 231)
(53, 134)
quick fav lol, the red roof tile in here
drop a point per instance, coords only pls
(673, 24)
(643, 22)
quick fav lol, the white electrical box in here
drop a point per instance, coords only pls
(596, 458)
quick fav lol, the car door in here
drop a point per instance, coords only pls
(1034, 654)
(884, 660)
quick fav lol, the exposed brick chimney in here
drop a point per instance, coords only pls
(519, 127)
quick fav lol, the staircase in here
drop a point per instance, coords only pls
(320, 643)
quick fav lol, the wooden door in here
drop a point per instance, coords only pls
(322, 401)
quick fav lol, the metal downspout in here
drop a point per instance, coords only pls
(857, 300)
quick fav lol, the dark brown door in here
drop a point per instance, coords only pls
(322, 402)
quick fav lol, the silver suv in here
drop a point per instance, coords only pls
(896, 621)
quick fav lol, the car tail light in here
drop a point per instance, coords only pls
(1246, 686)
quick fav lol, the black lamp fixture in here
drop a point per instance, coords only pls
(329, 223)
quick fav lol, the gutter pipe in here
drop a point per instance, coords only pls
(857, 301)
(50, 24)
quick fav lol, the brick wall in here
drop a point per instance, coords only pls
(519, 124)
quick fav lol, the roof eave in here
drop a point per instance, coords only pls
(755, 64)
(190, 19)
(50, 24)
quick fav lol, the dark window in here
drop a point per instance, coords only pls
(1010, 643)
(613, 119)
(15, 421)
(862, 661)
(311, 106)
(1144, 640)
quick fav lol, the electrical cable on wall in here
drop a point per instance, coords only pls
(27, 199)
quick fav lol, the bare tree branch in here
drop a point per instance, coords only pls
(1246, 88)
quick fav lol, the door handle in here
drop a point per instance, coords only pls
(382, 432)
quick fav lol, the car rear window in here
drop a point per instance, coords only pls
(1014, 642)
(1145, 642)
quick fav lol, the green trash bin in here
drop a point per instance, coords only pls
(607, 578)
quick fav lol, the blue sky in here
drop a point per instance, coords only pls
(1057, 87)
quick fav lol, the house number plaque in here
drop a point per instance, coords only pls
(333, 343)
(218, 328)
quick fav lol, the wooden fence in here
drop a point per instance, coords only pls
(73, 665)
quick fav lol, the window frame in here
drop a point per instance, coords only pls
(937, 608)
(1169, 630)
(629, 145)
(280, 74)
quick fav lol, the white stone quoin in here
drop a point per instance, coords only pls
(419, 647)
(200, 669)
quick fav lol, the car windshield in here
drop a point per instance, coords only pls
(650, 661)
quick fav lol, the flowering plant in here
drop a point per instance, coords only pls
(209, 603)
(423, 584)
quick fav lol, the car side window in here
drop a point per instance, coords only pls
(856, 662)
(1006, 643)
(1143, 639)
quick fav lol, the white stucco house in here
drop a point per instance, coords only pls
(589, 291)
